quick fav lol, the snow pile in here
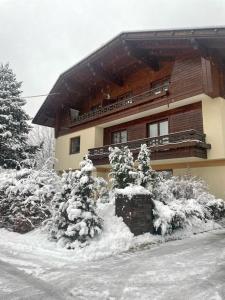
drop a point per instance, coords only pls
(185, 202)
(25, 197)
(133, 190)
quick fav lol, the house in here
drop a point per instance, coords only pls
(165, 88)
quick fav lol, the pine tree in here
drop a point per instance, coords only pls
(147, 177)
(75, 218)
(122, 167)
(144, 170)
(13, 121)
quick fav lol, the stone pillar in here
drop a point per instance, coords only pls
(136, 211)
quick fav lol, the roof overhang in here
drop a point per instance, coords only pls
(82, 80)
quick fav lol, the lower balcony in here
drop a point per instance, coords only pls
(181, 144)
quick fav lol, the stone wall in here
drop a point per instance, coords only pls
(137, 212)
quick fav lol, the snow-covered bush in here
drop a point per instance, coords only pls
(25, 197)
(101, 190)
(122, 172)
(75, 220)
(182, 201)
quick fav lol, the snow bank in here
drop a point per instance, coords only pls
(115, 239)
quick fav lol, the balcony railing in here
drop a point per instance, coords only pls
(132, 101)
(165, 142)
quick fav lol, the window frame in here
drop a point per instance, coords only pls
(158, 127)
(71, 147)
(116, 132)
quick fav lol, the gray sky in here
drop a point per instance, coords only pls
(42, 38)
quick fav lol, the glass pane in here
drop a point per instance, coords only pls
(123, 136)
(115, 138)
(75, 145)
(163, 128)
(153, 130)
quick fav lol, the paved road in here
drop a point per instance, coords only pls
(16, 284)
(187, 269)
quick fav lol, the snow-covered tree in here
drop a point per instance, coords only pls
(44, 136)
(74, 218)
(147, 177)
(25, 198)
(13, 122)
(144, 169)
(122, 172)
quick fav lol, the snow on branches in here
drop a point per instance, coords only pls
(122, 172)
(25, 197)
(185, 201)
(14, 128)
(75, 220)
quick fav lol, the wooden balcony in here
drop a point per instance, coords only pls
(135, 100)
(182, 144)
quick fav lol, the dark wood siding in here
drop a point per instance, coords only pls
(186, 77)
(186, 80)
(181, 119)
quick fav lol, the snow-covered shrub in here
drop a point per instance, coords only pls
(182, 201)
(122, 172)
(101, 190)
(25, 197)
(75, 220)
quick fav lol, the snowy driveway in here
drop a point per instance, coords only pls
(193, 268)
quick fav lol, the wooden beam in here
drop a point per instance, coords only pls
(197, 45)
(97, 70)
(152, 61)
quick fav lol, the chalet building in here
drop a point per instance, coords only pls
(163, 88)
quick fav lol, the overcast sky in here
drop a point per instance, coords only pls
(42, 38)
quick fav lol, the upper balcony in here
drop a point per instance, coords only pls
(182, 144)
(118, 105)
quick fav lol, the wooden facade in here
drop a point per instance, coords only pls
(186, 75)
(181, 119)
(135, 73)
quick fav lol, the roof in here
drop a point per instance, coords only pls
(80, 79)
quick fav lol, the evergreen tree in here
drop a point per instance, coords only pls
(13, 122)
(74, 216)
(147, 177)
(144, 169)
(122, 167)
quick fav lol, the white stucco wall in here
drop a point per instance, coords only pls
(89, 138)
(213, 113)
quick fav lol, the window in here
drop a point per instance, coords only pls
(159, 129)
(75, 145)
(119, 137)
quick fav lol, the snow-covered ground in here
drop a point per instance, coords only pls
(192, 268)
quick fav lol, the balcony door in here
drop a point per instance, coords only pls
(159, 131)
